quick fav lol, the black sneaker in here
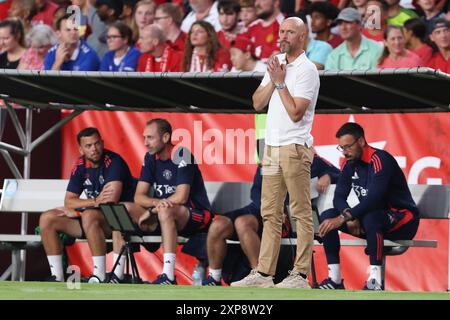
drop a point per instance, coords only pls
(163, 279)
(210, 281)
(111, 277)
(329, 284)
(51, 279)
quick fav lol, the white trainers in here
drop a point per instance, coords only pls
(294, 280)
(254, 279)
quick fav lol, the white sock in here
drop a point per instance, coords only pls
(99, 267)
(56, 267)
(120, 268)
(169, 265)
(216, 274)
(375, 273)
(334, 272)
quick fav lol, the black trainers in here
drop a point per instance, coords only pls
(210, 281)
(111, 277)
(373, 285)
(51, 279)
(163, 279)
(329, 284)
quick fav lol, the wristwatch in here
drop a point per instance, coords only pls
(280, 86)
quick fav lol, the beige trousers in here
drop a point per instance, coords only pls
(286, 169)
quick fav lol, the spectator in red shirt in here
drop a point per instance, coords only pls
(144, 15)
(264, 31)
(24, 10)
(375, 20)
(248, 12)
(395, 55)
(415, 34)
(229, 21)
(440, 35)
(46, 10)
(157, 54)
(242, 56)
(323, 15)
(203, 52)
(169, 17)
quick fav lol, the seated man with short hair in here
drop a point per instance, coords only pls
(246, 225)
(103, 176)
(386, 209)
(179, 204)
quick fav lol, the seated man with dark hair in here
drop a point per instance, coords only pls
(101, 176)
(246, 225)
(71, 53)
(179, 204)
(386, 209)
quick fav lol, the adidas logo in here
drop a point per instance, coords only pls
(355, 176)
(87, 182)
(168, 261)
(182, 164)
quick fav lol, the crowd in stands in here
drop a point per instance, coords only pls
(220, 35)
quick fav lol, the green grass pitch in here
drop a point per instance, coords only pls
(60, 291)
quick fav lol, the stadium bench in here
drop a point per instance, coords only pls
(36, 196)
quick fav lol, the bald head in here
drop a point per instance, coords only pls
(292, 35)
(151, 37)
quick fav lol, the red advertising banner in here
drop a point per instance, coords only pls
(224, 145)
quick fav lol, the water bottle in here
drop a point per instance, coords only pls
(196, 277)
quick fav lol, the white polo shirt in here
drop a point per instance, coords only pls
(302, 81)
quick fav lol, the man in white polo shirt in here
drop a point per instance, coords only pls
(290, 87)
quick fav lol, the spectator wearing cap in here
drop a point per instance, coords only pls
(105, 13)
(122, 56)
(440, 36)
(316, 50)
(375, 20)
(157, 54)
(203, 52)
(229, 21)
(397, 15)
(39, 40)
(248, 12)
(168, 17)
(264, 31)
(144, 15)
(431, 12)
(323, 15)
(415, 36)
(242, 56)
(201, 10)
(356, 52)
(45, 12)
(72, 53)
(395, 55)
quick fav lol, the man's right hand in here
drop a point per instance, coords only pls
(65, 212)
(62, 54)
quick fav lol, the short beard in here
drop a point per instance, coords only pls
(265, 14)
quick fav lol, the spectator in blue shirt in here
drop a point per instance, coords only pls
(122, 55)
(72, 53)
(386, 209)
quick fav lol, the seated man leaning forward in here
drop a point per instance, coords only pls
(179, 201)
(386, 209)
(245, 224)
(103, 176)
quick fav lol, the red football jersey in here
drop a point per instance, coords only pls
(265, 38)
(170, 61)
